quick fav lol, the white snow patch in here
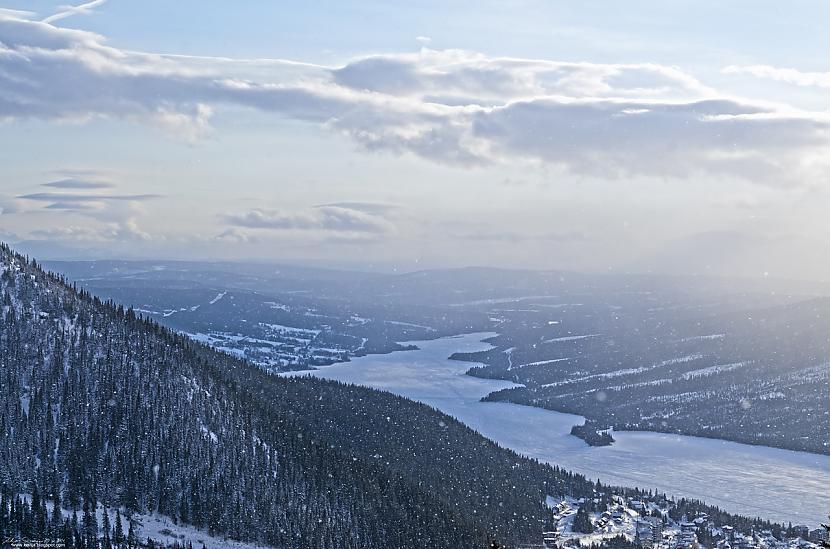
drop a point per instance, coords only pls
(703, 337)
(162, 529)
(399, 323)
(570, 338)
(498, 300)
(542, 362)
(290, 329)
(218, 297)
(711, 370)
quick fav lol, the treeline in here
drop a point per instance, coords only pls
(31, 520)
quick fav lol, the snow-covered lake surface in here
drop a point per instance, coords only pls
(750, 480)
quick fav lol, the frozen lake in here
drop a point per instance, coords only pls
(750, 480)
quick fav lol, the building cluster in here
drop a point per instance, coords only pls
(800, 537)
(649, 524)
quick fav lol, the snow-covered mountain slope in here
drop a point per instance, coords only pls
(99, 405)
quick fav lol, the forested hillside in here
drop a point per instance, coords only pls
(100, 406)
(756, 376)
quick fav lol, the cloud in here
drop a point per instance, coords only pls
(107, 207)
(372, 208)
(72, 232)
(453, 107)
(82, 194)
(111, 232)
(613, 138)
(74, 183)
(453, 76)
(330, 219)
(17, 14)
(69, 11)
(86, 197)
(788, 76)
(71, 206)
(235, 236)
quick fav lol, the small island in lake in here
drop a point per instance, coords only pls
(593, 434)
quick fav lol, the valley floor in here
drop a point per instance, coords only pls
(774, 484)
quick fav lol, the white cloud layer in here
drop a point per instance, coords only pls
(336, 218)
(78, 183)
(788, 76)
(453, 107)
(84, 193)
(69, 11)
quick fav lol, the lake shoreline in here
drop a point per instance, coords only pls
(776, 484)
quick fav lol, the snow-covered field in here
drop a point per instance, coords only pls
(751, 480)
(161, 529)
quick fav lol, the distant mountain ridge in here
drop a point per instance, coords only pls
(704, 356)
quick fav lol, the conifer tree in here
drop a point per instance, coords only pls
(132, 539)
(117, 530)
(56, 520)
(105, 525)
(582, 521)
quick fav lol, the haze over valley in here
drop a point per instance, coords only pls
(370, 275)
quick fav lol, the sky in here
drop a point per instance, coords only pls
(678, 137)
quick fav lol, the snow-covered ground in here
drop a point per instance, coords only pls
(161, 529)
(751, 480)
